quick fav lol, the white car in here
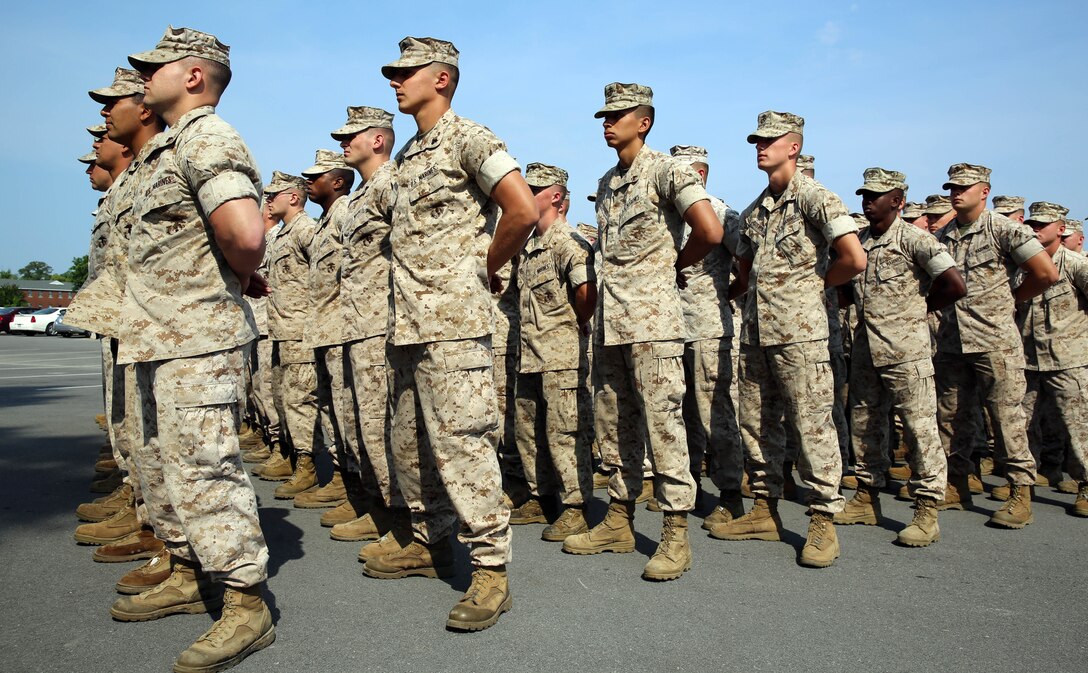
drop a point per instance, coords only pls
(38, 321)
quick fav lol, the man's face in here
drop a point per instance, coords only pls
(109, 154)
(123, 119)
(1047, 232)
(621, 127)
(543, 197)
(966, 199)
(100, 177)
(413, 87)
(164, 84)
(773, 152)
(320, 187)
(358, 149)
(878, 206)
(277, 203)
(1074, 242)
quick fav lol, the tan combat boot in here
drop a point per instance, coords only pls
(257, 454)
(904, 494)
(923, 529)
(100, 420)
(762, 523)
(530, 511)
(1016, 512)
(356, 503)
(244, 627)
(121, 524)
(398, 537)
(571, 522)
(1069, 486)
(849, 482)
(600, 480)
(1080, 505)
(647, 491)
(515, 492)
(141, 544)
(105, 465)
(187, 590)
(673, 556)
(822, 546)
(154, 572)
(974, 484)
(615, 534)
(360, 528)
(331, 494)
(899, 472)
(986, 466)
(863, 508)
(957, 494)
(487, 597)
(103, 508)
(414, 560)
(304, 478)
(276, 468)
(729, 507)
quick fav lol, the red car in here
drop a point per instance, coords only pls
(6, 314)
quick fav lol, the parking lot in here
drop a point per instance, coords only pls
(981, 599)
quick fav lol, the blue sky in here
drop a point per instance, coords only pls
(908, 86)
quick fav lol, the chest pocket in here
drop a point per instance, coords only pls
(163, 204)
(983, 256)
(426, 192)
(1058, 290)
(791, 242)
(890, 267)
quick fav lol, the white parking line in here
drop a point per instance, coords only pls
(43, 376)
(69, 387)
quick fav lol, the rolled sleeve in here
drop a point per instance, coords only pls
(744, 247)
(1025, 251)
(225, 187)
(938, 264)
(577, 275)
(495, 168)
(689, 196)
(839, 226)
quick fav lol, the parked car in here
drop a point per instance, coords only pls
(66, 330)
(40, 321)
(8, 313)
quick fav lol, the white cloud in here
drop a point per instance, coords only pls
(830, 33)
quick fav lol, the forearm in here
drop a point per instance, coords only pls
(1032, 287)
(840, 272)
(585, 302)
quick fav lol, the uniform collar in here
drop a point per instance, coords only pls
(432, 138)
(168, 136)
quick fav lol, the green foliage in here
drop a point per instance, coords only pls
(36, 271)
(7, 274)
(77, 273)
(10, 295)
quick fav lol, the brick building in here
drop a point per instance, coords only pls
(43, 293)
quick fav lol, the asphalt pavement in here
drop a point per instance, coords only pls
(982, 599)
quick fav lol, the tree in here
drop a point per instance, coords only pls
(36, 271)
(7, 273)
(11, 295)
(77, 273)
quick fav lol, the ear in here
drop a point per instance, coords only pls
(194, 79)
(441, 80)
(557, 198)
(644, 125)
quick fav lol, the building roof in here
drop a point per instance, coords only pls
(24, 284)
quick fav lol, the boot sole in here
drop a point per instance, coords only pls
(359, 538)
(98, 541)
(906, 543)
(137, 556)
(525, 522)
(266, 639)
(764, 537)
(851, 522)
(254, 459)
(264, 477)
(197, 608)
(320, 505)
(133, 589)
(953, 506)
(439, 572)
(809, 563)
(94, 519)
(458, 625)
(665, 577)
(1010, 524)
(560, 537)
(615, 549)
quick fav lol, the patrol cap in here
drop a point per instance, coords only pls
(284, 181)
(325, 161)
(913, 210)
(361, 118)
(125, 83)
(587, 231)
(592, 198)
(417, 51)
(98, 130)
(177, 43)
(619, 96)
(881, 180)
(773, 124)
(938, 204)
(1073, 227)
(806, 162)
(1045, 212)
(1008, 204)
(965, 175)
(88, 158)
(692, 154)
(544, 175)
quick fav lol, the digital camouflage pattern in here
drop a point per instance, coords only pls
(444, 180)
(294, 392)
(326, 316)
(288, 280)
(710, 417)
(199, 497)
(705, 300)
(364, 275)
(1054, 325)
(640, 218)
(890, 295)
(182, 298)
(552, 433)
(368, 419)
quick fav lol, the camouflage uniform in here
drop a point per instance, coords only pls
(294, 374)
(1054, 327)
(551, 427)
(324, 334)
(504, 346)
(710, 418)
(784, 359)
(978, 346)
(260, 365)
(891, 368)
(364, 295)
(185, 325)
(440, 327)
(639, 337)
